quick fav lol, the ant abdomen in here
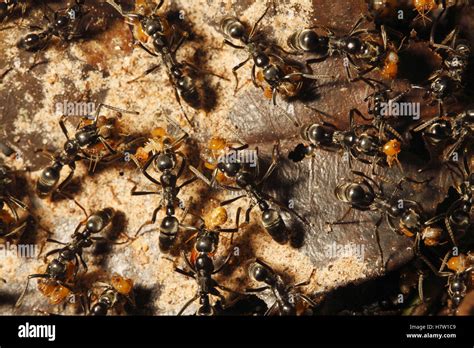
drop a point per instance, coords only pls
(308, 40)
(233, 28)
(48, 180)
(99, 220)
(168, 230)
(32, 42)
(275, 226)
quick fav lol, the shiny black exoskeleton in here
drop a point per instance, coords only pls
(166, 40)
(286, 295)
(202, 267)
(361, 142)
(353, 47)
(245, 180)
(361, 195)
(8, 228)
(456, 129)
(66, 25)
(58, 269)
(449, 80)
(281, 76)
(73, 151)
(165, 162)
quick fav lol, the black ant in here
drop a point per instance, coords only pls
(113, 295)
(247, 180)
(66, 25)
(165, 43)
(361, 142)
(450, 78)
(75, 149)
(459, 276)
(281, 76)
(363, 193)
(9, 219)
(459, 279)
(358, 48)
(8, 6)
(379, 103)
(201, 264)
(164, 158)
(458, 128)
(286, 295)
(458, 214)
(62, 271)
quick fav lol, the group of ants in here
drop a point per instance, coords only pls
(376, 142)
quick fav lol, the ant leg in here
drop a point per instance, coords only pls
(272, 308)
(226, 261)
(145, 170)
(114, 108)
(450, 229)
(247, 213)
(356, 112)
(377, 238)
(181, 168)
(234, 72)
(232, 200)
(306, 282)
(16, 230)
(187, 304)
(341, 221)
(200, 175)
(254, 27)
(31, 276)
(187, 182)
(147, 72)
(206, 72)
(158, 6)
(254, 79)
(63, 126)
(256, 290)
(233, 45)
(273, 165)
(356, 25)
(420, 287)
(308, 300)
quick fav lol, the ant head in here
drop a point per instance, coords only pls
(229, 168)
(71, 147)
(165, 161)
(261, 59)
(440, 86)
(463, 49)
(352, 45)
(151, 25)
(411, 220)
(61, 22)
(207, 242)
